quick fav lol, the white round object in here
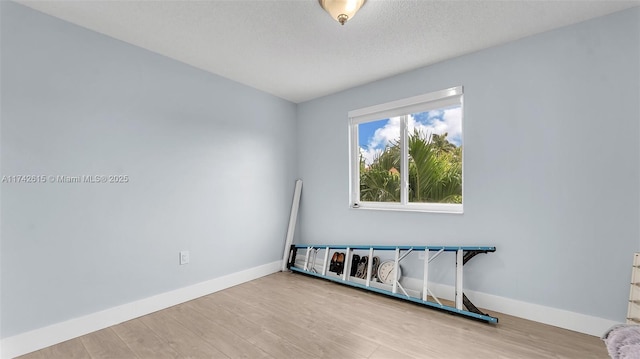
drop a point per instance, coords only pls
(386, 272)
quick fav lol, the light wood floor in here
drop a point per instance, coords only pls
(288, 315)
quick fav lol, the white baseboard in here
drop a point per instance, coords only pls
(43, 337)
(538, 313)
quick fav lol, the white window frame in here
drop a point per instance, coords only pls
(422, 103)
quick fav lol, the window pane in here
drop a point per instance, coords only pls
(379, 144)
(435, 156)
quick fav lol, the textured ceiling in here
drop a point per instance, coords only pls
(294, 50)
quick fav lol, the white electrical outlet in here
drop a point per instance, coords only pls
(184, 257)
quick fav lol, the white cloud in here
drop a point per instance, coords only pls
(381, 138)
(447, 121)
(369, 154)
(387, 134)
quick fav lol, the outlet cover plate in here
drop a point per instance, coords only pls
(184, 257)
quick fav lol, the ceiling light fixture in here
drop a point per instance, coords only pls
(341, 10)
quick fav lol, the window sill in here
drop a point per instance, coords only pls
(449, 208)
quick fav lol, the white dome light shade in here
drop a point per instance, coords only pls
(341, 10)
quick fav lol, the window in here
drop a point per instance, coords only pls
(408, 154)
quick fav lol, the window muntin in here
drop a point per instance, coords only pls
(408, 154)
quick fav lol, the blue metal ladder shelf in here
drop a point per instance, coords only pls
(392, 266)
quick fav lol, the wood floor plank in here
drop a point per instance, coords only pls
(143, 341)
(299, 332)
(181, 339)
(287, 315)
(353, 311)
(383, 352)
(279, 347)
(106, 344)
(222, 339)
(72, 349)
(311, 316)
(231, 320)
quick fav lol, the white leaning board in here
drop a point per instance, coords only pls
(293, 218)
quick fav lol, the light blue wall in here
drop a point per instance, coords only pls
(211, 166)
(552, 171)
(551, 133)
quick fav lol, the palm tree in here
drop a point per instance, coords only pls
(441, 143)
(380, 182)
(435, 171)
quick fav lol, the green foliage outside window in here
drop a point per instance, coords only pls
(435, 171)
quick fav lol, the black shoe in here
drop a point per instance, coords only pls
(354, 264)
(340, 263)
(334, 261)
(374, 267)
